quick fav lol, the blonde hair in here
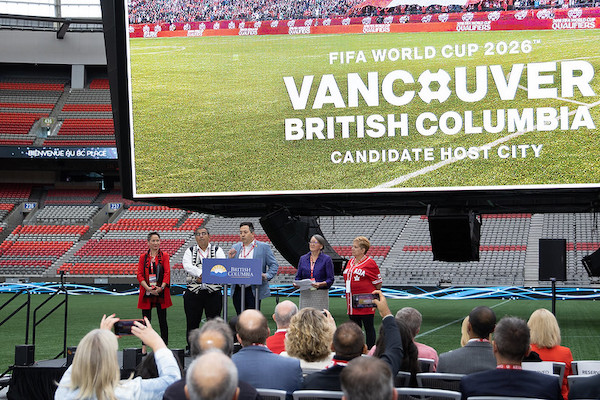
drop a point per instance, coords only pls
(544, 329)
(363, 242)
(464, 333)
(309, 336)
(95, 370)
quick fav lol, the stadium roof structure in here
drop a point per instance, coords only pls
(55, 24)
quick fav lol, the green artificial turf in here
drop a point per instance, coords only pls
(578, 320)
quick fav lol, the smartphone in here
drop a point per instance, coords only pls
(364, 300)
(123, 326)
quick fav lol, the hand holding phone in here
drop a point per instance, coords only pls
(364, 300)
(123, 326)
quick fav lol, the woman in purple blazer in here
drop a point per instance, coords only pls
(317, 267)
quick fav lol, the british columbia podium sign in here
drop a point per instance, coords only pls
(231, 271)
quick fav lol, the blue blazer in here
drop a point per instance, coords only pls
(262, 368)
(323, 271)
(269, 265)
(512, 383)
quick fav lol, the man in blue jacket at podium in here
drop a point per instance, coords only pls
(250, 248)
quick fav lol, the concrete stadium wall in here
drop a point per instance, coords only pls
(29, 47)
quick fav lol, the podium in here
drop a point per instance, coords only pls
(232, 271)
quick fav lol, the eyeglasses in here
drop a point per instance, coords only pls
(314, 243)
(201, 234)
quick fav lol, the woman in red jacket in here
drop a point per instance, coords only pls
(154, 275)
(545, 340)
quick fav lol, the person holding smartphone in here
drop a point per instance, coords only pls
(154, 275)
(361, 277)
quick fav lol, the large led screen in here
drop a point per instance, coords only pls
(351, 97)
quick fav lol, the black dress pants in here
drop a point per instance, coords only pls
(162, 320)
(195, 304)
(249, 301)
(368, 321)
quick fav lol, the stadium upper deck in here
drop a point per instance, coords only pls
(88, 234)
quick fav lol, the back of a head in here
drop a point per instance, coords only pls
(147, 369)
(214, 334)
(284, 312)
(348, 340)
(483, 321)
(464, 334)
(367, 378)
(252, 328)
(212, 376)
(309, 336)
(544, 328)
(412, 318)
(512, 338)
(410, 358)
(95, 370)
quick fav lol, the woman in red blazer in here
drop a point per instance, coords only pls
(154, 275)
(545, 340)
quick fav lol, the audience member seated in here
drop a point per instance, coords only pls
(233, 327)
(258, 365)
(214, 334)
(349, 343)
(367, 378)
(212, 376)
(309, 338)
(545, 340)
(477, 355)
(282, 316)
(413, 319)
(464, 334)
(511, 344)
(588, 388)
(95, 371)
(410, 359)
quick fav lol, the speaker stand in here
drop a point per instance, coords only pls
(553, 280)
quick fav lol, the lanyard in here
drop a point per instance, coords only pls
(245, 255)
(508, 366)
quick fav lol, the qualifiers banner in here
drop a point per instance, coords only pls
(51, 152)
(231, 271)
(556, 19)
(458, 109)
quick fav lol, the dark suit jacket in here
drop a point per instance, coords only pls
(510, 382)
(588, 388)
(329, 379)
(474, 357)
(263, 369)
(176, 391)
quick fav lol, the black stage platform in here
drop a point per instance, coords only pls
(38, 381)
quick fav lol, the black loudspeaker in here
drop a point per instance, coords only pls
(454, 236)
(553, 259)
(24, 354)
(290, 235)
(179, 355)
(591, 262)
(70, 354)
(131, 358)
